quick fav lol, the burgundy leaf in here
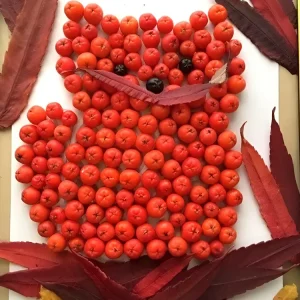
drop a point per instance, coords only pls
(108, 288)
(239, 281)
(282, 169)
(68, 292)
(161, 276)
(262, 34)
(32, 255)
(267, 193)
(28, 281)
(272, 11)
(10, 9)
(130, 272)
(123, 85)
(194, 283)
(23, 59)
(290, 10)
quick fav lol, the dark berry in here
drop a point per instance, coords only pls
(155, 85)
(186, 65)
(120, 70)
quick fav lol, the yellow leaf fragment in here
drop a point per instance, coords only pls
(48, 295)
(288, 292)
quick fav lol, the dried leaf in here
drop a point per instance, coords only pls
(70, 274)
(282, 169)
(32, 255)
(161, 276)
(222, 74)
(22, 62)
(262, 34)
(194, 283)
(247, 268)
(267, 193)
(10, 10)
(272, 11)
(107, 287)
(48, 295)
(290, 10)
(288, 292)
(123, 85)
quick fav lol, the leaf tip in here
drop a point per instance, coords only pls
(273, 113)
(242, 131)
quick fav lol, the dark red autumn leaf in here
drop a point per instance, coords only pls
(267, 193)
(261, 33)
(130, 272)
(32, 255)
(289, 8)
(21, 64)
(272, 11)
(28, 282)
(239, 281)
(192, 284)
(10, 9)
(282, 169)
(160, 276)
(107, 287)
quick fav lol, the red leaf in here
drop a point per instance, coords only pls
(10, 9)
(247, 268)
(28, 282)
(270, 255)
(261, 33)
(272, 11)
(282, 169)
(21, 64)
(162, 275)
(31, 255)
(107, 287)
(130, 272)
(195, 283)
(185, 94)
(123, 85)
(15, 282)
(239, 281)
(290, 10)
(267, 193)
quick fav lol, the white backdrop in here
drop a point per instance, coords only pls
(256, 104)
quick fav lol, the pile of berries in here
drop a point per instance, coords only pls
(138, 177)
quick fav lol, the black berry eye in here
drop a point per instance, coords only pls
(120, 70)
(155, 85)
(186, 65)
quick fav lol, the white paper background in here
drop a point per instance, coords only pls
(256, 105)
